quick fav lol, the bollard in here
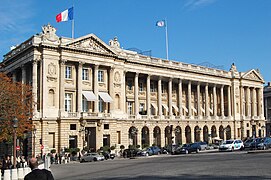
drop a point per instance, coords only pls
(7, 175)
(20, 173)
(27, 170)
(14, 174)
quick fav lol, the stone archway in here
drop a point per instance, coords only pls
(205, 134)
(197, 134)
(133, 136)
(145, 137)
(213, 132)
(188, 134)
(228, 132)
(178, 135)
(221, 132)
(157, 136)
(168, 135)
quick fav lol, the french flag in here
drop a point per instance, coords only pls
(65, 15)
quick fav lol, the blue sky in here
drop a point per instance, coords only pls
(216, 31)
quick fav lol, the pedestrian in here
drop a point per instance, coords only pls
(6, 164)
(56, 159)
(36, 173)
(23, 162)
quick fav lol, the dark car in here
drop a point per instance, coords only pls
(264, 144)
(188, 148)
(153, 150)
(247, 143)
(202, 145)
(254, 144)
(128, 153)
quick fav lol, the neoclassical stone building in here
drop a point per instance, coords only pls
(267, 107)
(90, 94)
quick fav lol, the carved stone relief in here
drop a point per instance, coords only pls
(117, 77)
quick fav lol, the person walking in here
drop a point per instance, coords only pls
(6, 164)
(36, 173)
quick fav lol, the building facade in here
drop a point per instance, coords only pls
(91, 94)
(267, 107)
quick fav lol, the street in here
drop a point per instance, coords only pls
(226, 165)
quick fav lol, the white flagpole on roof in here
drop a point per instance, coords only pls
(166, 38)
(73, 22)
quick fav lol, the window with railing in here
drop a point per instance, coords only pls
(141, 87)
(85, 75)
(130, 108)
(68, 102)
(100, 76)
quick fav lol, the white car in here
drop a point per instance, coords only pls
(231, 145)
(92, 157)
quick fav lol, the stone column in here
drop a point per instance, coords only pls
(215, 101)
(242, 110)
(123, 93)
(159, 96)
(79, 88)
(254, 112)
(261, 103)
(193, 134)
(111, 89)
(61, 87)
(148, 96)
(248, 102)
(170, 96)
(222, 100)
(180, 98)
(189, 99)
(96, 88)
(183, 136)
(207, 112)
(23, 74)
(35, 86)
(229, 101)
(198, 100)
(136, 95)
(44, 89)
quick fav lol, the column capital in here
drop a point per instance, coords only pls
(136, 74)
(62, 62)
(80, 63)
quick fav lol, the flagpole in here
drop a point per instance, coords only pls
(166, 38)
(73, 23)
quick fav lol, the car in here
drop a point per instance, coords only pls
(203, 145)
(231, 145)
(264, 144)
(153, 150)
(255, 142)
(247, 143)
(129, 153)
(188, 148)
(92, 157)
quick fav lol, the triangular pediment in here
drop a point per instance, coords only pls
(253, 75)
(90, 43)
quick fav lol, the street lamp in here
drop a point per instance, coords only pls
(15, 126)
(34, 142)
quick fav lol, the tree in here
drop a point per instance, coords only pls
(15, 101)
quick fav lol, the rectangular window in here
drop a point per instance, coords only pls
(85, 74)
(106, 126)
(141, 87)
(130, 85)
(84, 104)
(152, 87)
(141, 107)
(100, 104)
(100, 76)
(72, 141)
(68, 72)
(72, 126)
(130, 108)
(119, 137)
(68, 102)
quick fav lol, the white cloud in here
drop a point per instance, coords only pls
(192, 4)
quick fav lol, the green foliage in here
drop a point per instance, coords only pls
(122, 147)
(53, 151)
(112, 148)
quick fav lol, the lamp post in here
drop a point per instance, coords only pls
(15, 126)
(34, 142)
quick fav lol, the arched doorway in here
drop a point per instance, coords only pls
(228, 132)
(205, 134)
(213, 132)
(197, 134)
(133, 136)
(145, 137)
(178, 135)
(157, 136)
(188, 134)
(221, 132)
(168, 135)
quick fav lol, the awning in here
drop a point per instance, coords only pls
(165, 106)
(89, 95)
(175, 107)
(105, 97)
(154, 105)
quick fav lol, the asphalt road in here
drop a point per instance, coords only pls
(228, 165)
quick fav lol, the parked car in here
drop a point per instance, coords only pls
(153, 150)
(255, 142)
(92, 157)
(188, 148)
(231, 145)
(127, 153)
(203, 145)
(247, 143)
(265, 143)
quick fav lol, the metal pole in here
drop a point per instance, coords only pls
(14, 149)
(166, 38)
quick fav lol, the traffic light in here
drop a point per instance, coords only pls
(40, 141)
